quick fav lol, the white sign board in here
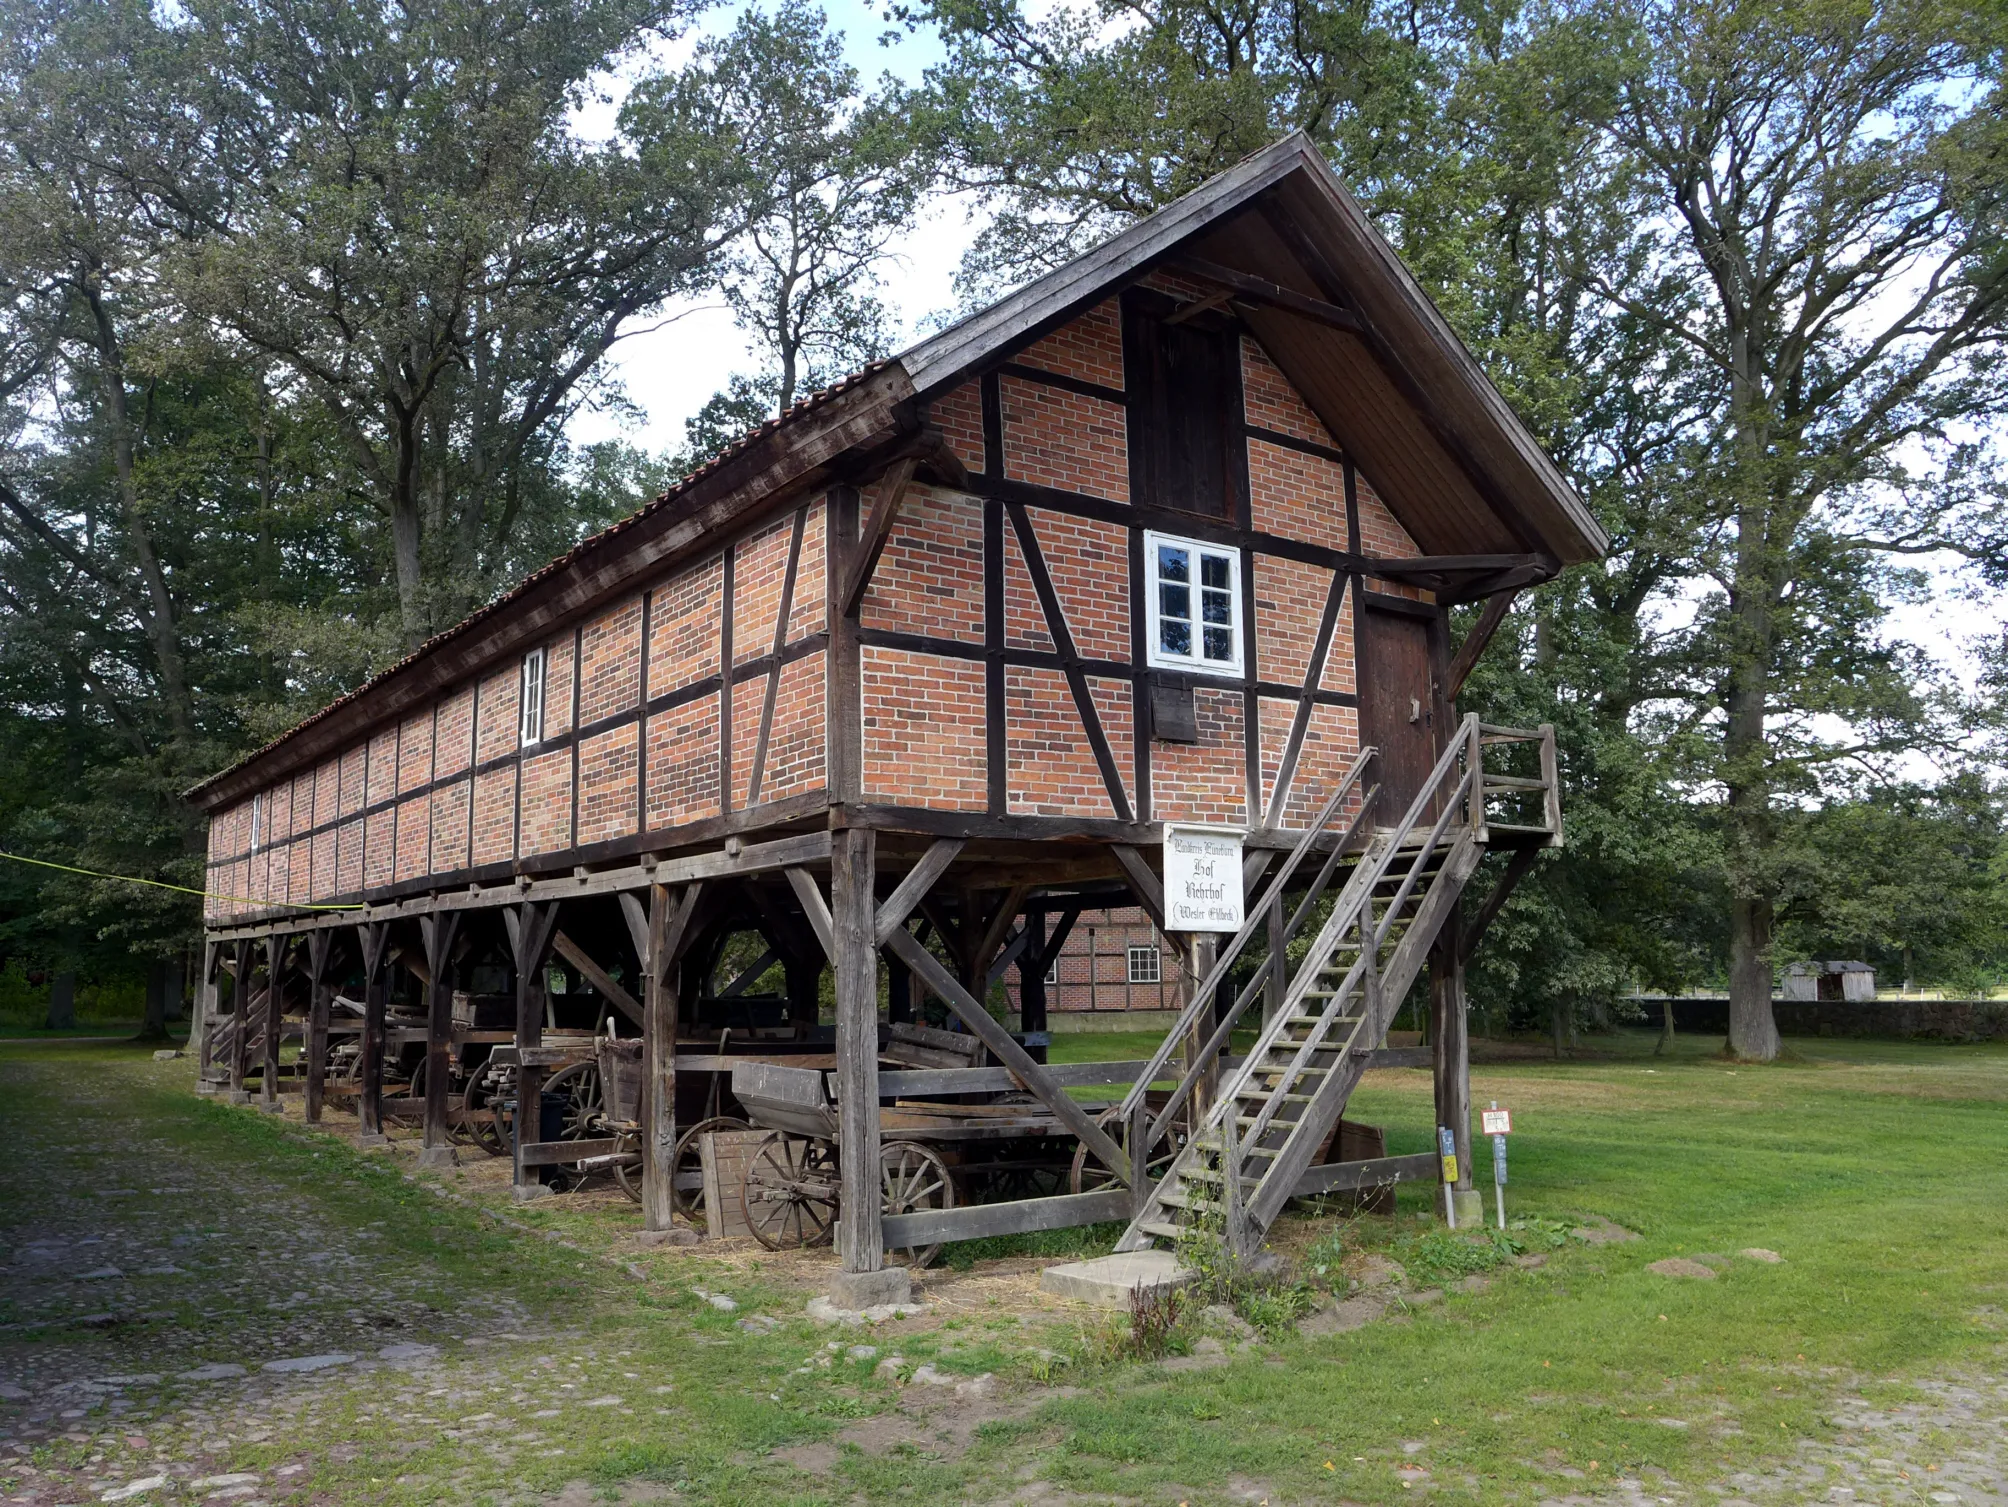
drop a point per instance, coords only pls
(1202, 879)
(1496, 1121)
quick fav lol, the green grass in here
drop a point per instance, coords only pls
(1878, 1170)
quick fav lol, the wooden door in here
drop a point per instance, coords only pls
(1397, 705)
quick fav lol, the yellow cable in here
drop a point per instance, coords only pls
(161, 884)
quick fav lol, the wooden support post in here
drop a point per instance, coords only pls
(374, 937)
(440, 930)
(1202, 951)
(240, 1012)
(1451, 1057)
(669, 931)
(853, 913)
(320, 948)
(1032, 977)
(203, 1031)
(268, 1077)
(530, 927)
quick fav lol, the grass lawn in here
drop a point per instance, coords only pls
(1879, 1171)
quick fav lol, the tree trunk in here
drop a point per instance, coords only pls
(404, 537)
(154, 1026)
(177, 1003)
(1753, 1032)
(1665, 1030)
(158, 615)
(1559, 1024)
(63, 1002)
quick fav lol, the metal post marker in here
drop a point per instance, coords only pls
(1446, 1145)
(1498, 1123)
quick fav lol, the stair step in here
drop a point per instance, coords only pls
(1161, 1230)
(1195, 1205)
(1208, 1175)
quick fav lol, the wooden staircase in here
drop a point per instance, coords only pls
(1257, 1137)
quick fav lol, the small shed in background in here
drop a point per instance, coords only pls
(1830, 980)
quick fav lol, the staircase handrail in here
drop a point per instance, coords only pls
(1203, 995)
(1224, 1028)
(1367, 879)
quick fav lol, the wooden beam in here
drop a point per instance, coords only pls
(275, 963)
(1037, 1080)
(781, 618)
(752, 858)
(597, 976)
(803, 883)
(1385, 1057)
(1351, 1177)
(530, 927)
(980, 1221)
(853, 882)
(932, 1082)
(440, 933)
(1260, 290)
(1496, 607)
(658, 1094)
(375, 939)
(555, 1153)
(911, 890)
(320, 947)
(863, 558)
(1149, 890)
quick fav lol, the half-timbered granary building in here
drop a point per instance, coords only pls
(886, 695)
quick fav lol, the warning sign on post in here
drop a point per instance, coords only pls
(1497, 1121)
(1202, 879)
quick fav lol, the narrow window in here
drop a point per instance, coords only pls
(1053, 970)
(1185, 408)
(531, 729)
(1143, 965)
(1194, 604)
(257, 819)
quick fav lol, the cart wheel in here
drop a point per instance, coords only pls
(791, 1191)
(627, 1171)
(579, 1085)
(415, 1089)
(686, 1169)
(911, 1179)
(1090, 1176)
(490, 1085)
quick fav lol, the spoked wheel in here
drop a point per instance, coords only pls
(1090, 1176)
(415, 1089)
(791, 1191)
(627, 1171)
(686, 1173)
(585, 1100)
(913, 1179)
(491, 1085)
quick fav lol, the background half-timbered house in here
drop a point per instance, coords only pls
(1169, 536)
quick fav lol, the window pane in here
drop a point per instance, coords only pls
(1174, 637)
(1219, 644)
(1173, 564)
(1174, 601)
(1213, 571)
(1218, 605)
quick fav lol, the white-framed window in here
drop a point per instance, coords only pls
(1192, 604)
(530, 727)
(257, 820)
(1144, 965)
(1053, 970)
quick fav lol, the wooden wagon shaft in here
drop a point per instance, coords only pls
(1037, 1081)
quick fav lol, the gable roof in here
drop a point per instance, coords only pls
(1323, 292)
(1400, 392)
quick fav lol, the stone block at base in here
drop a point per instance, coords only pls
(372, 1142)
(1470, 1208)
(237, 1095)
(525, 1193)
(1109, 1281)
(437, 1156)
(856, 1290)
(272, 1106)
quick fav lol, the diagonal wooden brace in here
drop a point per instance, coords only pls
(1041, 1084)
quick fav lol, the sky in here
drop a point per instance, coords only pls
(674, 366)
